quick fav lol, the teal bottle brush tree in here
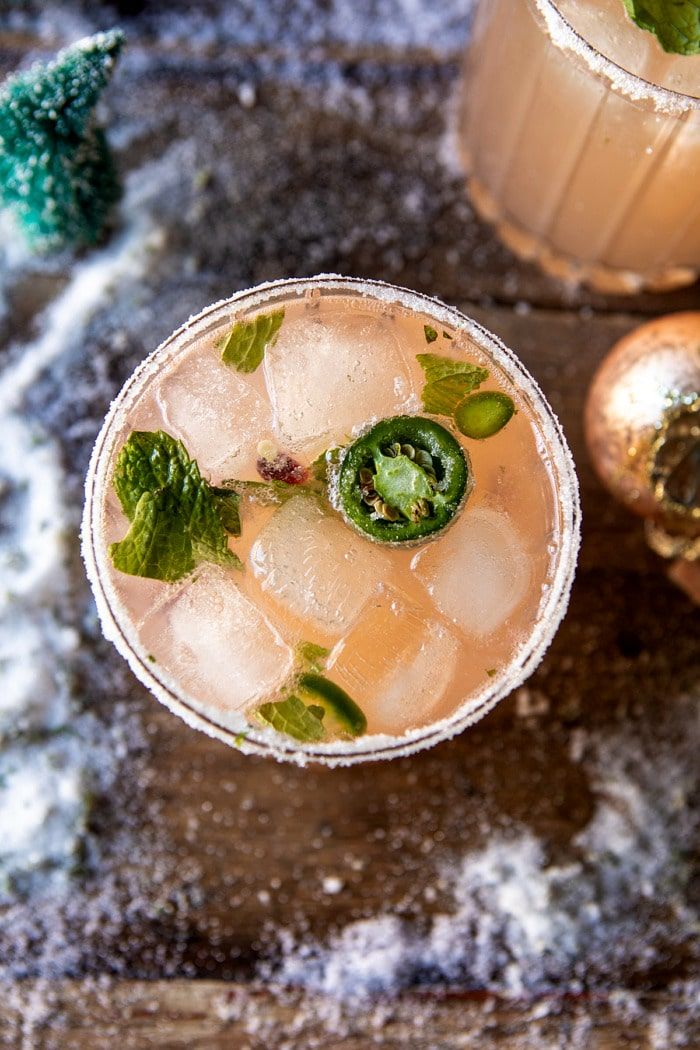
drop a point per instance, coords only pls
(57, 175)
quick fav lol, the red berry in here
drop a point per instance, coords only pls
(282, 468)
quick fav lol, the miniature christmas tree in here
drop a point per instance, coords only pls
(56, 171)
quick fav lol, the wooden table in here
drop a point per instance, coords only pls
(281, 161)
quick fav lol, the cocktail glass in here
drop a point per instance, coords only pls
(451, 625)
(581, 139)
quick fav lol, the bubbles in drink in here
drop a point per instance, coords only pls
(327, 372)
(479, 573)
(310, 563)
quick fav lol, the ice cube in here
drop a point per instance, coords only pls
(217, 643)
(316, 567)
(396, 664)
(327, 374)
(478, 572)
(216, 413)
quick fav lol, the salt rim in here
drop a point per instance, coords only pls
(261, 741)
(566, 38)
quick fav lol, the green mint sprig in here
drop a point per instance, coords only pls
(437, 367)
(244, 347)
(442, 396)
(177, 519)
(228, 505)
(674, 23)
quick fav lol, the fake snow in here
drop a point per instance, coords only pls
(45, 787)
(302, 25)
(521, 926)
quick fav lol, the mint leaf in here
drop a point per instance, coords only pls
(157, 544)
(312, 656)
(442, 397)
(437, 367)
(430, 333)
(175, 523)
(244, 347)
(448, 382)
(320, 466)
(292, 717)
(402, 483)
(228, 503)
(675, 23)
(148, 462)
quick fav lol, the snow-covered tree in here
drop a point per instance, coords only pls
(56, 171)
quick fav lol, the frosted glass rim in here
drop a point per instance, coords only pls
(374, 747)
(631, 85)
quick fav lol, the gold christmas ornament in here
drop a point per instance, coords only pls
(643, 430)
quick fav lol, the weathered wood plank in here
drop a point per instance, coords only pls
(208, 1015)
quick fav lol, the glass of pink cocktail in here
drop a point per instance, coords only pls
(332, 520)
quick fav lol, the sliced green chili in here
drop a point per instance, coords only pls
(482, 415)
(403, 481)
(317, 690)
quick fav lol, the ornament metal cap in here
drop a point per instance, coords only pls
(642, 425)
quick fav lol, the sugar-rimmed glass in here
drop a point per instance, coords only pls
(581, 164)
(124, 415)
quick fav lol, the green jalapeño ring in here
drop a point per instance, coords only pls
(417, 461)
(331, 520)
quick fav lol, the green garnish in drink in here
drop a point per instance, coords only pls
(448, 391)
(177, 519)
(315, 702)
(245, 345)
(403, 481)
(482, 415)
(674, 23)
(448, 381)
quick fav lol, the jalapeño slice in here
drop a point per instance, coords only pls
(335, 703)
(403, 481)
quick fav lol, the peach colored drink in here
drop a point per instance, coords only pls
(425, 637)
(581, 137)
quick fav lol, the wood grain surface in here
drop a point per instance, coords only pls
(208, 1015)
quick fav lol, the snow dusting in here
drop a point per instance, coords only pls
(520, 925)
